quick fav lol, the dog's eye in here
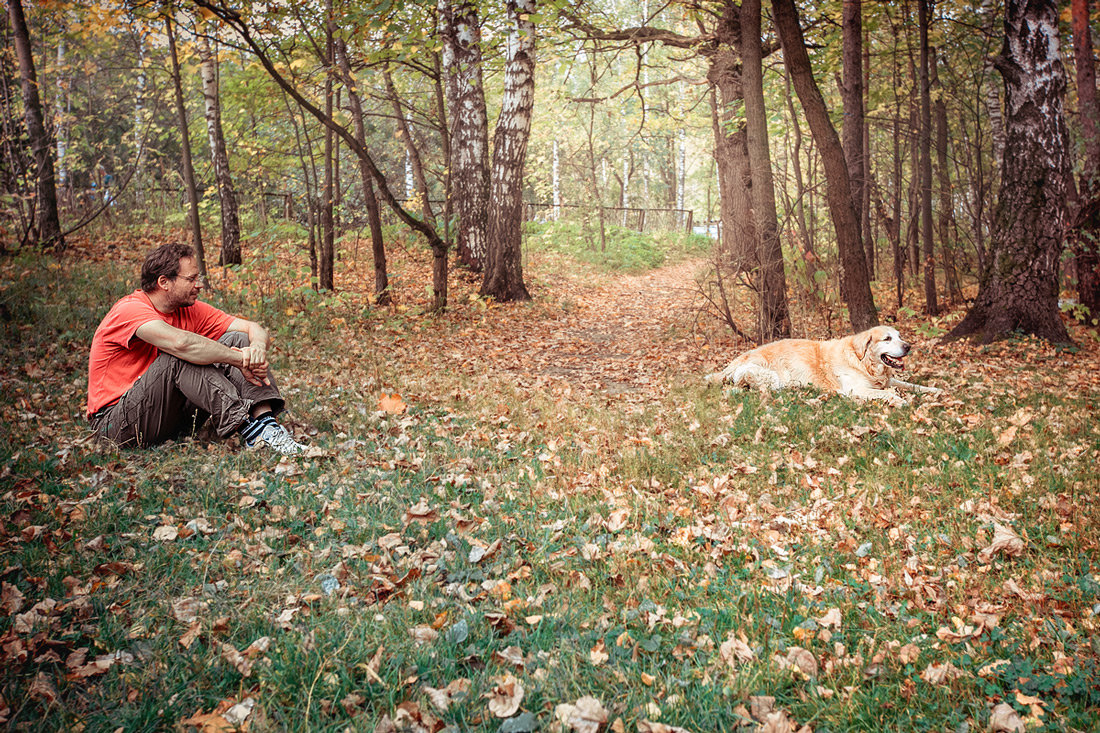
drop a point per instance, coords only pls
(888, 338)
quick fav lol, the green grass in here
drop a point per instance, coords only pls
(633, 543)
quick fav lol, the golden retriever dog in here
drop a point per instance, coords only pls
(860, 366)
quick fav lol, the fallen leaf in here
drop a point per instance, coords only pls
(187, 610)
(1005, 540)
(734, 650)
(798, 659)
(909, 653)
(1004, 719)
(191, 634)
(585, 716)
(392, 403)
(166, 533)
(505, 697)
(940, 674)
(11, 599)
(598, 653)
(831, 619)
(236, 659)
(423, 634)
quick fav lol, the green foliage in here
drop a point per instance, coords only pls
(626, 250)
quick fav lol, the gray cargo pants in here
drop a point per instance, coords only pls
(175, 397)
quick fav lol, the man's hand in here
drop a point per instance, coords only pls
(254, 365)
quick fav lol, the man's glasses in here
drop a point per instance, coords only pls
(200, 279)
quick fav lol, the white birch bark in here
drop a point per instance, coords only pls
(504, 270)
(469, 164)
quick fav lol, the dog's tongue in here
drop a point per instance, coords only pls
(894, 362)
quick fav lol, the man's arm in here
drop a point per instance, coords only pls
(255, 354)
(196, 349)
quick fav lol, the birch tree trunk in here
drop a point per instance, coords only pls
(1018, 289)
(185, 144)
(504, 264)
(855, 289)
(469, 161)
(775, 321)
(231, 223)
(46, 217)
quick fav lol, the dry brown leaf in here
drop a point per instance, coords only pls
(586, 716)
(188, 610)
(421, 512)
(940, 674)
(760, 706)
(423, 634)
(166, 533)
(42, 688)
(1004, 719)
(1010, 586)
(735, 649)
(598, 653)
(505, 697)
(442, 698)
(11, 599)
(392, 403)
(798, 659)
(1005, 540)
(909, 653)
(776, 722)
(191, 634)
(831, 619)
(236, 659)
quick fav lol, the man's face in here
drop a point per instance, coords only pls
(184, 288)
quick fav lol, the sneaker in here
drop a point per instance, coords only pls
(276, 437)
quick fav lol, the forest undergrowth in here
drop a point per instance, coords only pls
(538, 517)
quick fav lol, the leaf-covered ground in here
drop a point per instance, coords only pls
(538, 517)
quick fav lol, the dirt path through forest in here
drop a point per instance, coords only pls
(627, 336)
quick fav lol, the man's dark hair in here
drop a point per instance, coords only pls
(164, 260)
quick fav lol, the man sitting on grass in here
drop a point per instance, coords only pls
(162, 362)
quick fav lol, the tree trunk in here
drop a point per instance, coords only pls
(1018, 289)
(946, 201)
(775, 320)
(382, 294)
(931, 305)
(411, 151)
(868, 174)
(738, 241)
(231, 224)
(1086, 225)
(851, 92)
(855, 289)
(327, 261)
(504, 266)
(469, 162)
(46, 218)
(185, 143)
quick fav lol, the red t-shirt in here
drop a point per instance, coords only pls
(118, 358)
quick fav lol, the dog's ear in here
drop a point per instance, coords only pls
(863, 343)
